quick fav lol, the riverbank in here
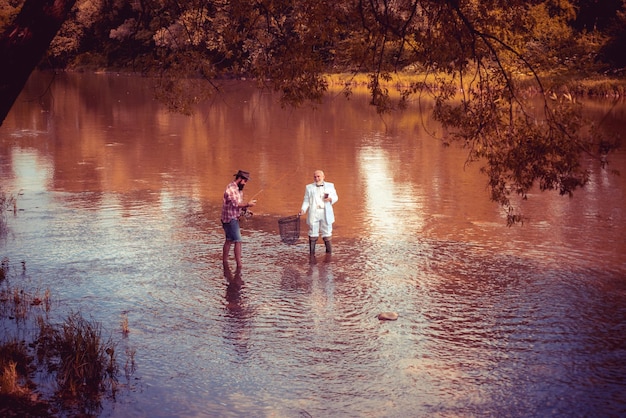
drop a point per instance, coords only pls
(590, 84)
(581, 85)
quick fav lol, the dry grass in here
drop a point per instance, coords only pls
(8, 378)
(14, 364)
(601, 86)
(359, 83)
(9, 384)
(125, 329)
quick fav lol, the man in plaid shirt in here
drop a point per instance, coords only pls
(231, 210)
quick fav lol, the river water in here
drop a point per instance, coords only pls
(118, 216)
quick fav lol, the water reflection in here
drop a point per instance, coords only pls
(238, 314)
(388, 199)
(119, 212)
(322, 294)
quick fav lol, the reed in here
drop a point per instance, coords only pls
(87, 362)
(8, 379)
(73, 353)
(20, 305)
(7, 202)
(125, 329)
(14, 361)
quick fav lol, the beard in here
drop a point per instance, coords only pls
(240, 185)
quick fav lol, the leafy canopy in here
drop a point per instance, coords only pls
(476, 59)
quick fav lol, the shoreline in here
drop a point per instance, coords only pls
(596, 86)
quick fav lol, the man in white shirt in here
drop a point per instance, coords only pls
(319, 198)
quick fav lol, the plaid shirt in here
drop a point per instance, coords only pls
(233, 197)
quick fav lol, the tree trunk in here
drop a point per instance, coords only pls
(25, 42)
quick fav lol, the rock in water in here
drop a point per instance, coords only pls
(387, 316)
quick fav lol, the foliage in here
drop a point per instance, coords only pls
(482, 49)
(68, 40)
(476, 59)
(8, 11)
(613, 50)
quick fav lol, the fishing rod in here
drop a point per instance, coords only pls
(275, 182)
(246, 212)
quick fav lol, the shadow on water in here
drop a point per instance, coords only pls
(238, 314)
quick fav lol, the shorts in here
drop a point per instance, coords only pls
(233, 233)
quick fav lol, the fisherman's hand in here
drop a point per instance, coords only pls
(252, 203)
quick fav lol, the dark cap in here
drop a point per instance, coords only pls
(243, 174)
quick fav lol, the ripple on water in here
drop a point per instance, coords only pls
(475, 325)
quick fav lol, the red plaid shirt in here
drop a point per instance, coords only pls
(233, 197)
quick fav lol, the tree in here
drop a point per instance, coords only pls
(24, 43)
(613, 51)
(476, 59)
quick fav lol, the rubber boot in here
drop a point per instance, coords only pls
(329, 247)
(312, 242)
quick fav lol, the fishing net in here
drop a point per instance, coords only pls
(289, 229)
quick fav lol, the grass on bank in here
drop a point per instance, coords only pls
(74, 355)
(596, 85)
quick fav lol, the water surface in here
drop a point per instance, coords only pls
(118, 216)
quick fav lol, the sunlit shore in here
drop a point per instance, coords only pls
(595, 85)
